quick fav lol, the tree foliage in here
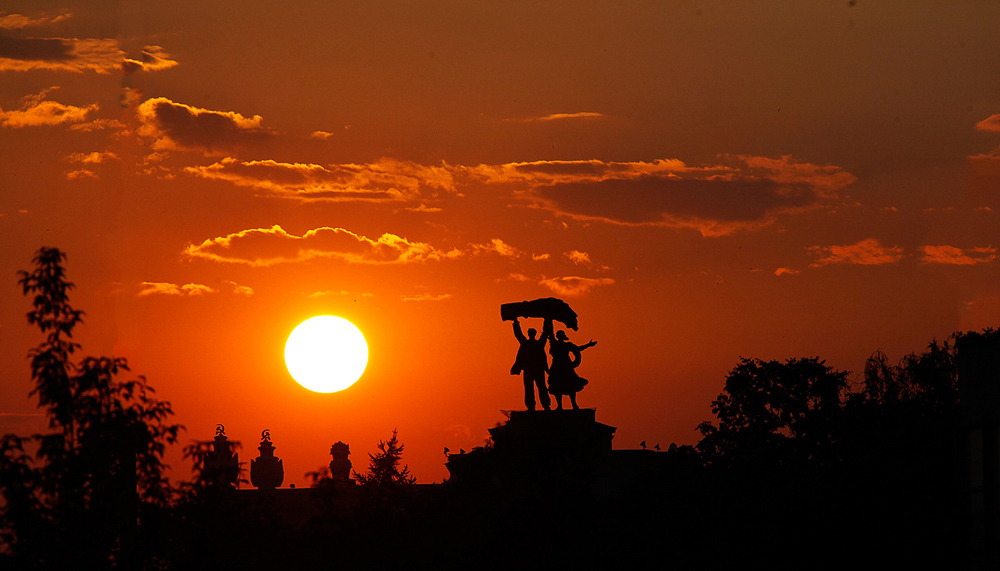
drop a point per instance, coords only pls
(930, 377)
(806, 455)
(770, 407)
(384, 470)
(79, 495)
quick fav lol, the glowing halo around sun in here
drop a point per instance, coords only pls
(326, 354)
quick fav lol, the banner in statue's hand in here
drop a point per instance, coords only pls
(546, 307)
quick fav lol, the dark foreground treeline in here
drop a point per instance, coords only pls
(800, 468)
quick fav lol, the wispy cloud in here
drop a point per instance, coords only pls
(991, 123)
(560, 117)
(786, 271)
(151, 58)
(574, 286)
(426, 297)
(36, 111)
(578, 257)
(98, 124)
(423, 208)
(868, 252)
(19, 21)
(93, 158)
(270, 246)
(957, 256)
(739, 193)
(386, 180)
(87, 162)
(498, 246)
(240, 289)
(326, 293)
(166, 288)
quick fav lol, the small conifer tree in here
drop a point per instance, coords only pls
(384, 471)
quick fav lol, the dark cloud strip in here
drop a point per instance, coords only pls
(648, 199)
(35, 49)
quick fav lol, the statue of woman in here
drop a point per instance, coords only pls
(563, 379)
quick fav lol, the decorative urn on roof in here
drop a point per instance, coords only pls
(266, 471)
(222, 465)
(340, 466)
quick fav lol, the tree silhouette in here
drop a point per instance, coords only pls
(771, 408)
(805, 456)
(383, 468)
(87, 494)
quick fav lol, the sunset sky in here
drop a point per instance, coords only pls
(699, 180)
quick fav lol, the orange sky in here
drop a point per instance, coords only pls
(699, 180)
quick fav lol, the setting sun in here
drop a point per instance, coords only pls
(326, 354)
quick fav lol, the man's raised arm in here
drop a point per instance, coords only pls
(517, 331)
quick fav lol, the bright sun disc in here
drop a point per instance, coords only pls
(326, 354)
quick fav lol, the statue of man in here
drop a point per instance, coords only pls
(532, 362)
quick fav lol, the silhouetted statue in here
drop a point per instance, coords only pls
(532, 362)
(563, 379)
(266, 471)
(340, 466)
(222, 466)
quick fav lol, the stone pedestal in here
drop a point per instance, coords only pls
(547, 452)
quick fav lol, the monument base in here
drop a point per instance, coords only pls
(548, 451)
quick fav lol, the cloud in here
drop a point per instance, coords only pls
(827, 180)
(92, 158)
(574, 286)
(868, 252)
(460, 431)
(498, 246)
(784, 271)
(578, 257)
(540, 257)
(151, 58)
(386, 180)
(741, 193)
(714, 207)
(240, 289)
(423, 208)
(391, 179)
(19, 21)
(957, 256)
(321, 135)
(166, 288)
(425, 297)
(80, 173)
(101, 55)
(744, 194)
(88, 159)
(519, 277)
(561, 116)
(536, 173)
(264, 247)
(60, 54)
(991, 123)
(35, 111)
(324, 293)
(176, 126)
(98, 124)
